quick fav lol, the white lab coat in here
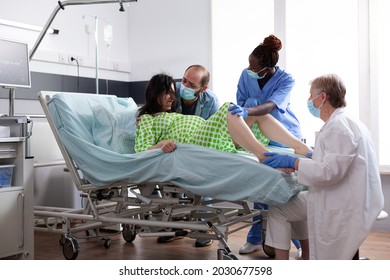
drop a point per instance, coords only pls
(345, 192)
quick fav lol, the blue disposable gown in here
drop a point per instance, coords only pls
(276, 90)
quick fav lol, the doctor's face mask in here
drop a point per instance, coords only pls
(312, 109)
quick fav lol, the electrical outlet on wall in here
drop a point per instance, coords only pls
(115, 65)
(62, 58)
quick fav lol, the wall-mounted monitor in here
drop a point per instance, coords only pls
(14, 64)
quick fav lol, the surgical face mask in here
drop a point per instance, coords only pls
(254, 75)
(187, 93)
(312, 109)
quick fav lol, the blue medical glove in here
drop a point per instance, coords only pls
(240, 111)
(251, 102)
(276, 160)
(309, 154)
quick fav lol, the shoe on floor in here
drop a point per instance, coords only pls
(203, 242)
(298, 256)
(248, 248)
(166, 239)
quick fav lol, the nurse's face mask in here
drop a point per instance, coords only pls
(255, 75)
(312, 109)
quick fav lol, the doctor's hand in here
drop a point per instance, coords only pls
(276, 160)
(238, 110)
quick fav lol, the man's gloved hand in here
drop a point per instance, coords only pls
(240, 111)
(276, 160)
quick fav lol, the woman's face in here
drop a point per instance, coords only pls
(167, 99)
(254, 64)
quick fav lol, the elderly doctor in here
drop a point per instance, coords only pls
(344, 195)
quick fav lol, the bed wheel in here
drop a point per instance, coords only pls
(70, 248)
(107, 243)
(232, 257)
(268, 250)
(128, 232)
(225, 255)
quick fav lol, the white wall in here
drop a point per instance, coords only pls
(149, 37)
(236, 30)
(168, 36)
(73, 40)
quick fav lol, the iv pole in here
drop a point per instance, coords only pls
(96, 50)
(61, 5)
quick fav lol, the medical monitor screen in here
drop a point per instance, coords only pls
(14, 64)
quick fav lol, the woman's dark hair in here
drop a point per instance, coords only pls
(268, 52)
(157, 86)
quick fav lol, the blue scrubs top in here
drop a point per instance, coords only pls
(276, 90)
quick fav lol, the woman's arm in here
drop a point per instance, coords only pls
(146, 136)
(166, 145)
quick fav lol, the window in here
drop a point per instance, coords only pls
(237, 28)
(348, 38)
(380, 60)
(321, 38)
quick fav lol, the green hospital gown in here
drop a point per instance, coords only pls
(187, 129)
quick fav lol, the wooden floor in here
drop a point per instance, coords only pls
(47, 247)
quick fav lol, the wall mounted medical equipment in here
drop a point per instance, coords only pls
(61, 6)
(14, 68)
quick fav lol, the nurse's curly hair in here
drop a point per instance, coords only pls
(268, 51)
(158, 85)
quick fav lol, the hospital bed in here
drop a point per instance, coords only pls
(149, 193)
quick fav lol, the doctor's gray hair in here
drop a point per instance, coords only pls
(334, 88)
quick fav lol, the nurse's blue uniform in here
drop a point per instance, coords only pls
(276, 90)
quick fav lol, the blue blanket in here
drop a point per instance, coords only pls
(98, 133)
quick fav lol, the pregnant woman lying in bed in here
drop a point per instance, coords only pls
(159, 127)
